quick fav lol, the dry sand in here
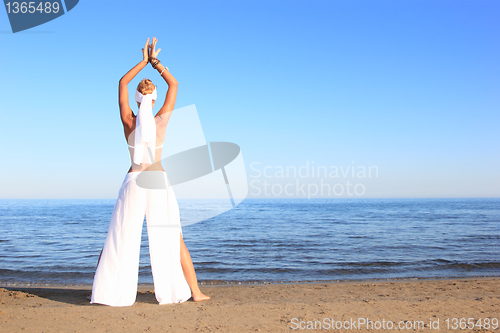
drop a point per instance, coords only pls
(259, 308)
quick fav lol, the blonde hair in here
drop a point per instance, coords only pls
(146, 86)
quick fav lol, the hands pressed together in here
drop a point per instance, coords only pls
(148, 52)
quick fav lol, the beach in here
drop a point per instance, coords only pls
(388, 264)
(437, 304)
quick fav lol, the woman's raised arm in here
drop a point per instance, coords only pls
(169, 104)
(125, 110)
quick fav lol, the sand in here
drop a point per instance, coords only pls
(262, 308)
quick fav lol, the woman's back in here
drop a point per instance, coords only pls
(161, 121)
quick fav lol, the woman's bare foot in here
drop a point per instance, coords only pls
(198, 297)
(89, 297)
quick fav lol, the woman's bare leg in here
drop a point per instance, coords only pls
(99, 259)
(190, 275)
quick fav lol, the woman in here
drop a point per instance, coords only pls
(116, 277)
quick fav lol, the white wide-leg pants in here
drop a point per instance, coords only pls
(116, 277)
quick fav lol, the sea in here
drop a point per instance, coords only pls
(56, 241)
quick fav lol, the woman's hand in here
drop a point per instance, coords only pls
(145, 51)
(152, 52)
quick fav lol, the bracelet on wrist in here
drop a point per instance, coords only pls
(155, 63)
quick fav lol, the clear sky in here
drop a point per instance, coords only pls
(409, 87)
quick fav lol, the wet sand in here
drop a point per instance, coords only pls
(262, 308)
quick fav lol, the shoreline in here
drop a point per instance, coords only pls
(252, 283)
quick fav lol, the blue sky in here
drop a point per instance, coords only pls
(411, 87)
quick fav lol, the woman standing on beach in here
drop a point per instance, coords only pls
(116, 277)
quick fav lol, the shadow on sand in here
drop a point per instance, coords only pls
(73, 296)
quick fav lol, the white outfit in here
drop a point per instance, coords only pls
(116, 277)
